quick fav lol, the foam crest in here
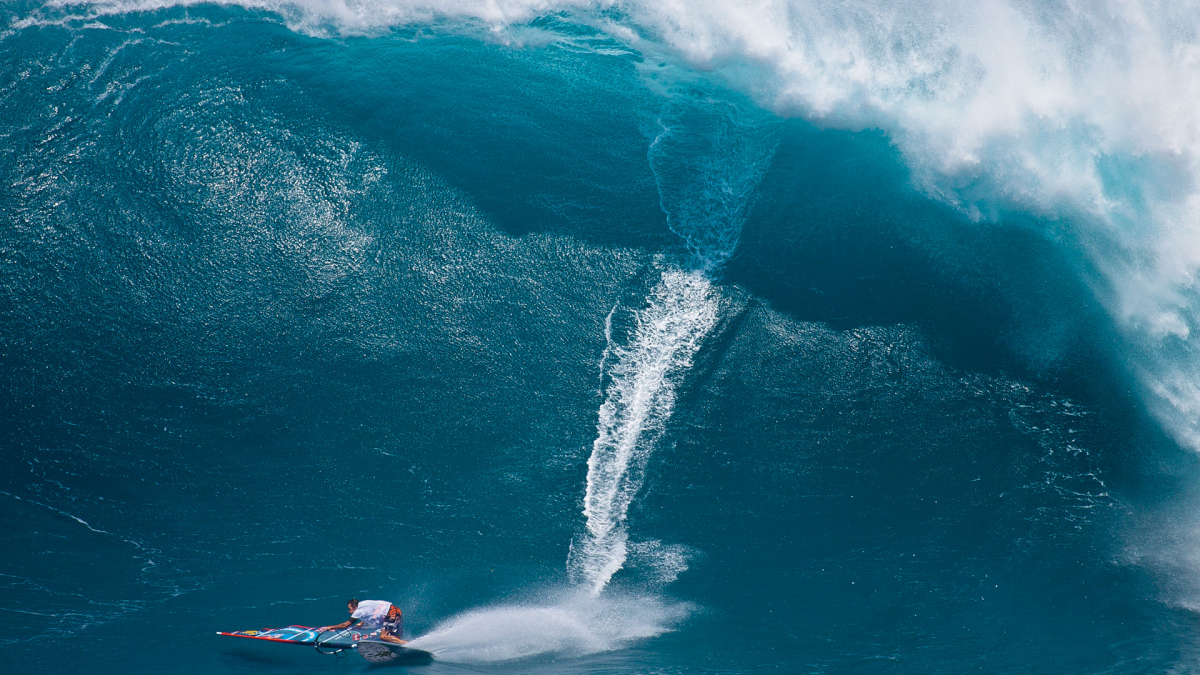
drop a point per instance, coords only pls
(338, 16)
(571, 624)
(642, 379)
(1081, 113)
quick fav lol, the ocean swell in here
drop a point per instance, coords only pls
(290, 318)
(1083, 114)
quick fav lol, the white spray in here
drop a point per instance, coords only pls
(707, 161)
(569, 624)
(644, 374)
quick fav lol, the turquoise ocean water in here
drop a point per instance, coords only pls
(601, 337)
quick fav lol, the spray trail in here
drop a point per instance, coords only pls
(564, 625)
(644, 375)
(651, 347)
(707, 161)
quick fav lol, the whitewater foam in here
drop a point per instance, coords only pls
(707, 160)
(643, 377)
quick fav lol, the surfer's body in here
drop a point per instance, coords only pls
(374, 613)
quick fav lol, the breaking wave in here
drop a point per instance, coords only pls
(230, 281)
(1083, 114)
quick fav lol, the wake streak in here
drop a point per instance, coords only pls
(707, 162)
(681, 310)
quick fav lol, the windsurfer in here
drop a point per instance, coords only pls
(372, 614)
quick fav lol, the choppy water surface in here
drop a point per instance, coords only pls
(611, 337)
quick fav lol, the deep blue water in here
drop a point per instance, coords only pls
(592, 354)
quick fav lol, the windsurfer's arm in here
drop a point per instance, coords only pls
(344, 624)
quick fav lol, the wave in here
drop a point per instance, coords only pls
(1082, 114)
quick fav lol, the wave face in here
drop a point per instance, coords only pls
(593, 334)
(707, 162)
(1083, 116)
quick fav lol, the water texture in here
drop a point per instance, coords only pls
(601, 337)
